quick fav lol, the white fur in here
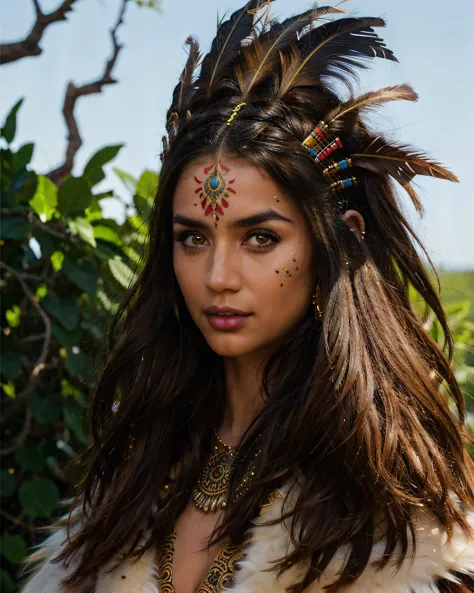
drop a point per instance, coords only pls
(435, 558)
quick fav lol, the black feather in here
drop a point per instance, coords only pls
(228, 38)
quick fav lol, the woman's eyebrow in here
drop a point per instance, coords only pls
(252, 220)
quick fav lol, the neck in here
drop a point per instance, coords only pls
(243, 396)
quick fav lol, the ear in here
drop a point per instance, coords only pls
(355, 222)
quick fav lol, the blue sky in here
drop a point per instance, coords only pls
(435, 48)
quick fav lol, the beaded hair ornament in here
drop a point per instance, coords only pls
(266, 58)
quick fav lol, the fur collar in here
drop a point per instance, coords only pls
(436, 558)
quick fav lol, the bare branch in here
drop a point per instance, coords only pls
(72, 95)
(11, 52)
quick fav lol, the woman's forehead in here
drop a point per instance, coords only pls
(234, 185)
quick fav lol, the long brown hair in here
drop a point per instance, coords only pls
(361, 404)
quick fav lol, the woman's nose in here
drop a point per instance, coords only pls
(223, 273)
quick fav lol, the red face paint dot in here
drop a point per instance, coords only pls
(281, 284)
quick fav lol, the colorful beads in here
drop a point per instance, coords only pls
(343, 184)
(339, 166)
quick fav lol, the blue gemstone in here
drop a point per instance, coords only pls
(214, 183)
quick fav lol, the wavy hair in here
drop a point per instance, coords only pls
(365, 407)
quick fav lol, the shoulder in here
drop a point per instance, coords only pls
(436, 558)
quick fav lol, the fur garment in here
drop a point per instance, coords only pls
(436, 558)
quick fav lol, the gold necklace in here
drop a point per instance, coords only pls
(210, 492)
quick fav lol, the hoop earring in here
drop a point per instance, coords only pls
(318, 314)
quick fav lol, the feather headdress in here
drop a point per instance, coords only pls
(263, 59)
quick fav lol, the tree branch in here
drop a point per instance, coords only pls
(11, 52)
(72, 95)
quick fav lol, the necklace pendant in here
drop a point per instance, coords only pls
(210, 492)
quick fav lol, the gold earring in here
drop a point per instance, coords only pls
(316, 298)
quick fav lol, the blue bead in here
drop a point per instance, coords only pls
(312, 152)
(214, 183)
(347, 182)
(342, 164)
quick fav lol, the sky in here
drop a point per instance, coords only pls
(434, 45)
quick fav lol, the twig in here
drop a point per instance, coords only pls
(20, 438)
(72, 95)
(14, 520)
(11, 52)
(47, 330)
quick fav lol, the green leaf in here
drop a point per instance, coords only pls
(93, 172)
(41, 291)
(145, 193)
(46, 410)
(9, 389)
(9, 364)
(72, 417)
(6, 584)
(83, 228)
(84, 275)
(107, 234)
(66, 338)
(25, 192)
(30, 458)
(106, 302)
(74, 195)
(8, 130)
(64, 310)
(80, 364)
(39, 497)
(13, 316)
(23, 158)
(121, 272)
(45, 200)
(94, 211)
(7, 484)
(147, 185)
(13, 548)
(13, 227)
(128, 180)
(57, 258)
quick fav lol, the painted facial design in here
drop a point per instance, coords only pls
(215, 189)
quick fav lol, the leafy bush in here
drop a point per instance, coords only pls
(64, 269)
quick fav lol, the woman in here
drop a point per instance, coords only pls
(287, 427)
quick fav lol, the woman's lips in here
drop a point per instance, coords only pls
(227, 322)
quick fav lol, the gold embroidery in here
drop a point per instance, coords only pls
(221, 573)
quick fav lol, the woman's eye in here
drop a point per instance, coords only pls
(263, 240)
(259, 240)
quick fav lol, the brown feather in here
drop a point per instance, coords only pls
(337, 118)
(400, 162)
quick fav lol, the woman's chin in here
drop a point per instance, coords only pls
(231, 344)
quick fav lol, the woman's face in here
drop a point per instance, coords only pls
(254, 257)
